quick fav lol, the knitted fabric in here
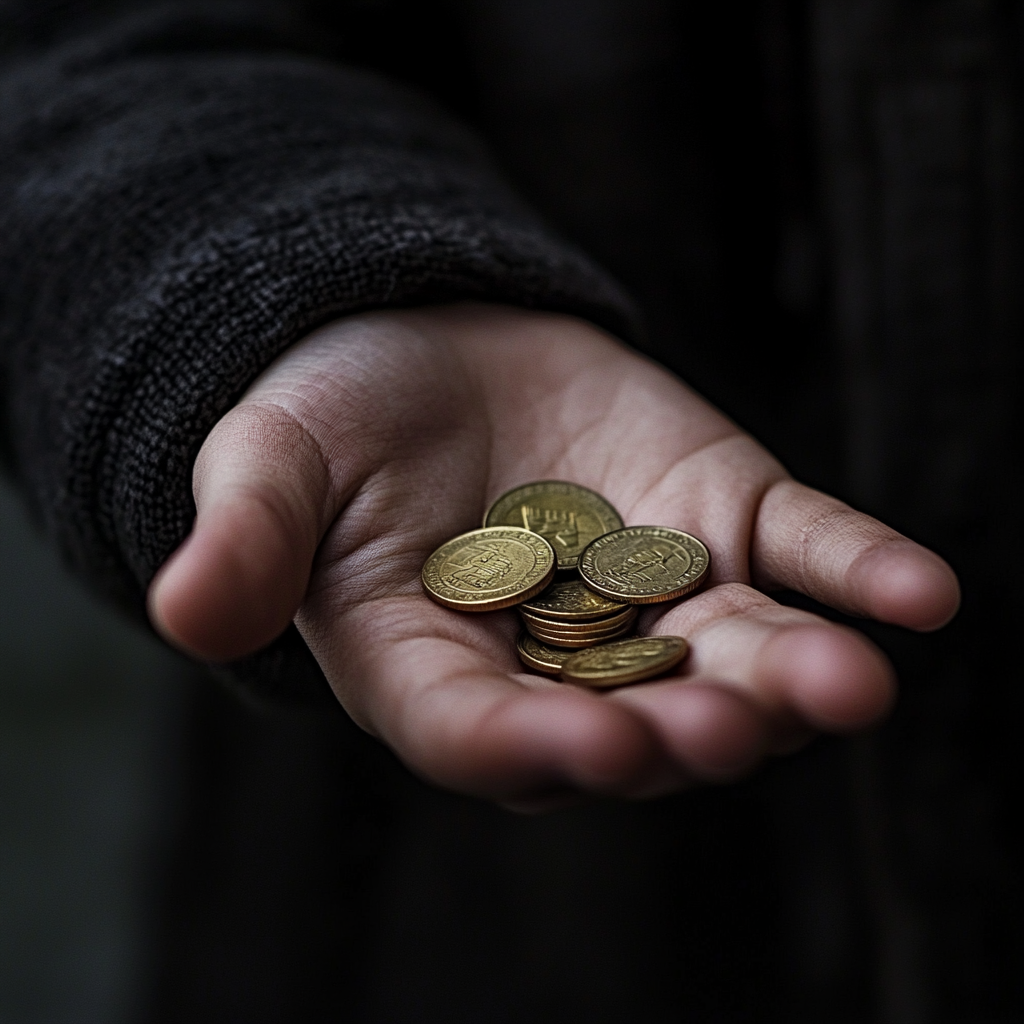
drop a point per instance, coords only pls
(183, 194)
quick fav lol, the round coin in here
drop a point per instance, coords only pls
(567, 515)
(645, 564)
(575, 640)
(484, 570)
(540, 657)
(625, 661)
(571, 601)
(626, 615)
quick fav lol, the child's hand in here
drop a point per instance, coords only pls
(370, 442)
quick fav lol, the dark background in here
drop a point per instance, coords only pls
(817, 206)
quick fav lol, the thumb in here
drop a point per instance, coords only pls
(262, 491)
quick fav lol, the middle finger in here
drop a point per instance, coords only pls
(794, 667)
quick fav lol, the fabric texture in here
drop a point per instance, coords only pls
(187, 190)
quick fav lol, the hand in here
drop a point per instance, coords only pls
(380, 436)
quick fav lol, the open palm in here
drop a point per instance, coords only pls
(380, 436)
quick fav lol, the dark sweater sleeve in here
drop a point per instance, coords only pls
(185, 191)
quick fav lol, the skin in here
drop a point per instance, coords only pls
(380, 436)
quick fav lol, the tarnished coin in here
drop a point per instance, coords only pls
(567, 515)
(484, 570)
(628, 614)
(571, 601)
(645, 564)
(625, 661)
(540, 657)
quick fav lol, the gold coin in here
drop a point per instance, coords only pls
(541, 657)
(575, 640)
(625, 661)
(590, 626)
(484, 570)
(645, 564)
(571, 601)
(566, 515)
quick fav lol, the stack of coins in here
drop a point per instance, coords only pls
(570, 615)
(561, 554)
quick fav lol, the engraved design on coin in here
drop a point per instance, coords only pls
(651, 565)
(644, 564)
(572, 600)
(488, 569)
(557, 526)
(625, 661)
(481, 566)
(565, 514)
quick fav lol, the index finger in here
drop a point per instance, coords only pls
(807, 541)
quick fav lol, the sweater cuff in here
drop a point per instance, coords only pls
(191, 216)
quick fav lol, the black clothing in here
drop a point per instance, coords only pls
(185, 196)
(817, 207)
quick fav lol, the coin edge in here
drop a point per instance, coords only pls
(538, 667)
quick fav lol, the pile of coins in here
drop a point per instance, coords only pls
(569, 615)
(560, 553)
